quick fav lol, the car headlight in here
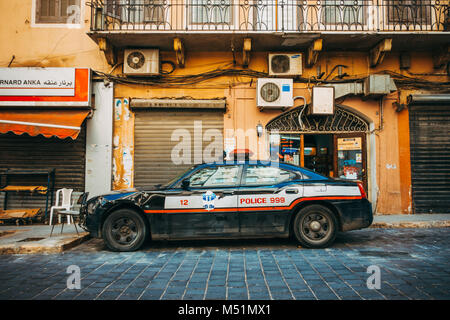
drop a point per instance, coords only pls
(90, 208)
(94, 205)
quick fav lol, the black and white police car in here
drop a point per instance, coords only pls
(248, 199)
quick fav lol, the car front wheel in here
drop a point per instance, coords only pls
(124, 230)
(315, 226)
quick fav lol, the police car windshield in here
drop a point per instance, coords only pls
(175, 179)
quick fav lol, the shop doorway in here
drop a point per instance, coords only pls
(340, 155)
(333, 145)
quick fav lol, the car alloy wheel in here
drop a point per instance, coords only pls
(315, 226)
(124, 230)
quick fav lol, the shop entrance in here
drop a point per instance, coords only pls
(333, 145)
(333, 155)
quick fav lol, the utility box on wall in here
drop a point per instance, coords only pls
(322, 101)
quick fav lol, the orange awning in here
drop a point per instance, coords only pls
(59, 123)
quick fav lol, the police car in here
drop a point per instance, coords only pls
(248, 199)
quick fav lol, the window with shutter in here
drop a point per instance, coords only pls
(137, 11)
(57, 11)
(211, 12)
(409, 12)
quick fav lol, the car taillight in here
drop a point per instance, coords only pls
(361, 189)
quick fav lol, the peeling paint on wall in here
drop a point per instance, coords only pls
(123, 162)
(117, 109)
(127, 162)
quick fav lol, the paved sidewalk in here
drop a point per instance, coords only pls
(36, 239)
(411, 221)
(413, 264)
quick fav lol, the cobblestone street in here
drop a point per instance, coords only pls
(414, 264)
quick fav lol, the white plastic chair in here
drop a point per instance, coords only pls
(65, 195)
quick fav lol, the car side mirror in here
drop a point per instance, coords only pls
(185, 184)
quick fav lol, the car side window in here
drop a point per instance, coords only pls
(304, 176)
(263, 175)
(215, 176)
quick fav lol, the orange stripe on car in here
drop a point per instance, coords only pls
(271, 208)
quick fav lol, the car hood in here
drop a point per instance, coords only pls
(118, 194)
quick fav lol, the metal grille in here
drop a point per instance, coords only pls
(154, 145)
(270, 15)
(270, 92)
(430, 158)
(38, 153)
(297, 120)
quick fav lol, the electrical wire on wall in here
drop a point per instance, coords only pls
(172, 64)
(168, 80)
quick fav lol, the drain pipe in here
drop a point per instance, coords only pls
(381, 114)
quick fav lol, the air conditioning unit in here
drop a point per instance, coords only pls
(275, 93)
(285, 64)
(141, 62)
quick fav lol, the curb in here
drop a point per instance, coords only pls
(406, 224)
(48, 245)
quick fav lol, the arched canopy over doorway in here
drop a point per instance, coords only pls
(334, 145)
(298, 120)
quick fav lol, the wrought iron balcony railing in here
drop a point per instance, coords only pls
(270, 16)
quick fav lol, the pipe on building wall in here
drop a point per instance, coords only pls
(381, 125)
(428, 98)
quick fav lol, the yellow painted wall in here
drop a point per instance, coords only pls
(64, 47)
(393, 177)
(45, 47)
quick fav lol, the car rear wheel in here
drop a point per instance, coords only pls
(315, 226)
(124, 230)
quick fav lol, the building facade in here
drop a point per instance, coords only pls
(174, 81)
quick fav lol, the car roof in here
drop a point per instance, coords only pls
(313, 176)
(289, 166)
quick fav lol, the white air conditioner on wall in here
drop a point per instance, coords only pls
(285, 64)
(275, 93)
(141, 62)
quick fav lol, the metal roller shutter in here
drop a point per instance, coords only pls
(25, 152)
(153, 145)
(430, 157)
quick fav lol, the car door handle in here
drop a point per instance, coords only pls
(228, 193)
(291, 191)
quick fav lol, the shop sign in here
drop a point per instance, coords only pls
(37, 81)
(349, 144)
(45, 87)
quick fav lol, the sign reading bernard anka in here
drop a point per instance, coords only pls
(37, 82)
(208, 200)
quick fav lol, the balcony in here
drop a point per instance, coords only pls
(211, 25)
